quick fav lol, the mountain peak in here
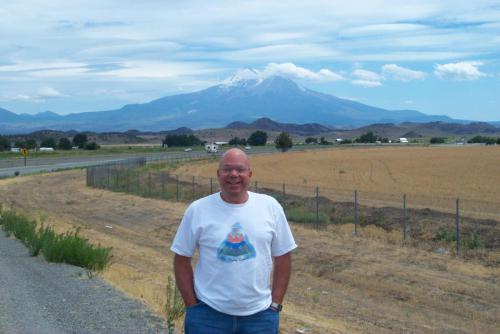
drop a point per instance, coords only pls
(243, 78)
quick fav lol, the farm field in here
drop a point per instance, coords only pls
(340, 283)
(431, 176)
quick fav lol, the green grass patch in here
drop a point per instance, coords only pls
(63, 248)
(468, 241)
(300, 215)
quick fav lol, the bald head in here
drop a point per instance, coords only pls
(234, 176)
(235, 154)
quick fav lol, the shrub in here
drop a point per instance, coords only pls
(92, 146)
(80, 140)
(446, 235)
(68, 248)
(303, 216)
(64, 144)
(49, 142)
(237, 141)
(4, 144)
(283, 142)
(257, 138)
(437, 140)
(311, 140)
(181, 140)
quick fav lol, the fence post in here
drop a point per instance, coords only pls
(457, 223)
(317, 207)
(355, 212)
(405, 219)
(284, 194)
(107, 177)
(256, 187)
(211, 186)
(149, 184)
(194, 193)
(177, 188)
(162, 185)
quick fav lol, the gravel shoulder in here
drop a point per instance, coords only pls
(41, 297)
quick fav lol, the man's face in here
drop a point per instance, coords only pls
(234, 176)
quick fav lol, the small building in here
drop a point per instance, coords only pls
(403, 140)
(46, 149)
(15, 149)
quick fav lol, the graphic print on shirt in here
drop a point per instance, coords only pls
(236, 246)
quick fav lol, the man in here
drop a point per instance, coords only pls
(238, 233)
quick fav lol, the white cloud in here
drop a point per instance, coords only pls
(48, 92)
(399, 73)
(466, 70)
(293, 71)
(366, 83)
(366, 78)
(288, 70)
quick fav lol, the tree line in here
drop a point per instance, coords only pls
(80, 140)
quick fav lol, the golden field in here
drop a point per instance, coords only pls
(431, 176)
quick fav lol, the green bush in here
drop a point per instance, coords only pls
(302, 216)
(446, 235)
(67, 248)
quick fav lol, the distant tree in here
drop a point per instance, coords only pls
(4, 144)
(92, 146)
(237, 141)
(437, 140)
(323, 141)
(311, 140)
(20, 144)
(80, 140)
(48, 142)
(483, 139)
(368, 137)
(31, 144)
(64, 144)
(498, 141)
(257, 138)
(346, 141)
(283, 142)
(181, 140)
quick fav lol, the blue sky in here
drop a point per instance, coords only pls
(438, 57)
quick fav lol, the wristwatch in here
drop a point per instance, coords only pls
(276, 306)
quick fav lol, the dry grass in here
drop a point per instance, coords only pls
(432, 176)
(340, 283)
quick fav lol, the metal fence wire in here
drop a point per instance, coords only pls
(462, 227)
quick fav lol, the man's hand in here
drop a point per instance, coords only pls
(184, 279)
(281, 277)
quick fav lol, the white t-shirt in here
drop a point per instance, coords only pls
(236, 243)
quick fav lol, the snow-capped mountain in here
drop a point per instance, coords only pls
(244, 97)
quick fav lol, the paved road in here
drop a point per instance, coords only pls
(41, 297)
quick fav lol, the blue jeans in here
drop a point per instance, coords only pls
(202, 319)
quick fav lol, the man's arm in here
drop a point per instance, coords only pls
(184, 278)
(281, 276)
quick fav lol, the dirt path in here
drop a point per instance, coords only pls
(340, 284)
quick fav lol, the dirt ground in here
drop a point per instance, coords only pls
(340, 283)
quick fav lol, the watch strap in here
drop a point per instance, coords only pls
(276, 306)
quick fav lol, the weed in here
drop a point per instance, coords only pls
(174, 306)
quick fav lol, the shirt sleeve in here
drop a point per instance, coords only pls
(184, 243)
(283, 241)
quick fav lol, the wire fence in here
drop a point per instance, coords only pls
(459, 226)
